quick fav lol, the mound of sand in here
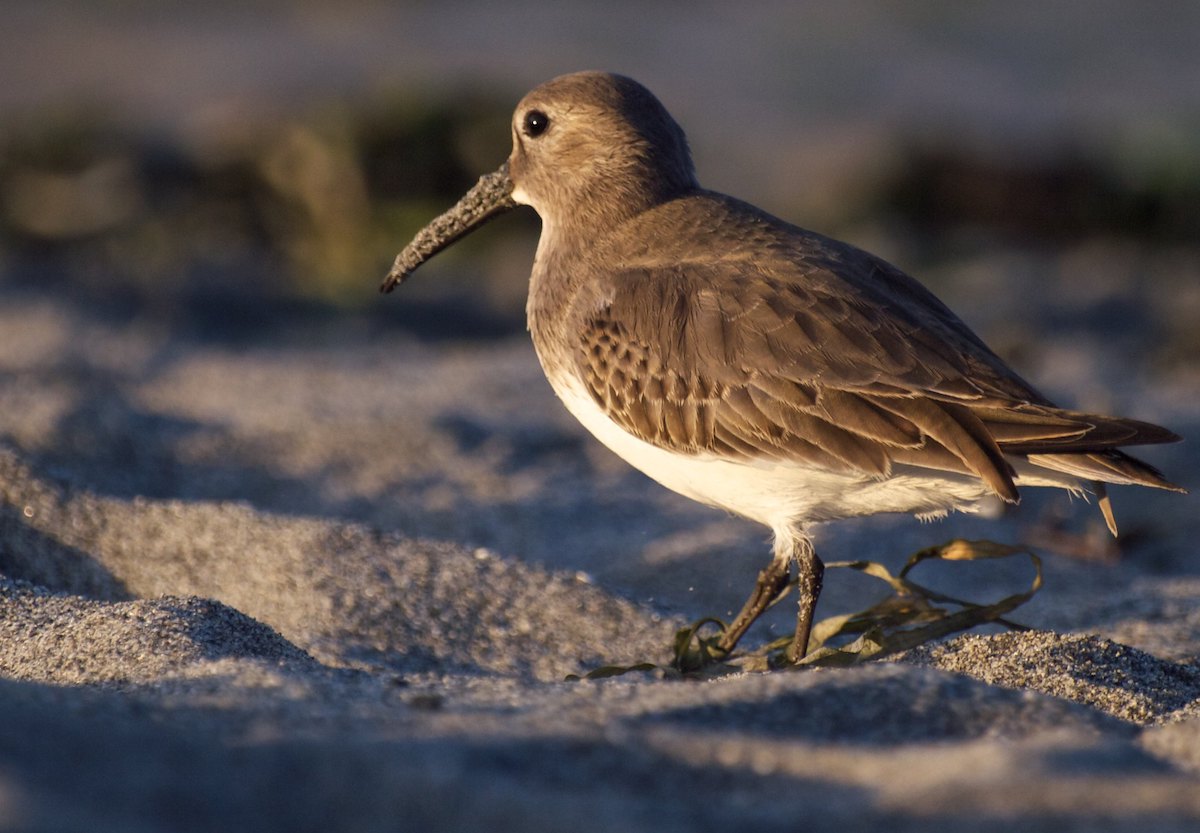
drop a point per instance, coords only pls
(309, 583)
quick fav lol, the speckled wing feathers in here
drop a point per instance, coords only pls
(739, 360)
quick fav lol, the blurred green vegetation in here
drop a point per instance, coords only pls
(1070, 195)
(311, 208)
(314, 209)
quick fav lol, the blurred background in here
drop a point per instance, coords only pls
(170, 155)
(189, 191)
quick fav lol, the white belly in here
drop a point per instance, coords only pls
(778, 494)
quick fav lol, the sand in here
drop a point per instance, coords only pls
(329, 576)
(269, 570)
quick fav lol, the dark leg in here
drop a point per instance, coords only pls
(811, 574)
(771, 582)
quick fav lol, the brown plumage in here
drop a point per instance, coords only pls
(749, 363)
(777, 355)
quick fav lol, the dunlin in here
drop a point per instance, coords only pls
(753, 365)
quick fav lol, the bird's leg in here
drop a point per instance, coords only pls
(811, 573)
(771, 582)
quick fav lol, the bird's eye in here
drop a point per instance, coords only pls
(536, 123)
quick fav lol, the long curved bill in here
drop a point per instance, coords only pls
(490, 196)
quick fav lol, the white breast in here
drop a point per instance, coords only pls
(778, 494)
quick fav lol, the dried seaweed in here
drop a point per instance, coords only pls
(910, 615)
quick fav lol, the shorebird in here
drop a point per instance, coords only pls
(753, 365)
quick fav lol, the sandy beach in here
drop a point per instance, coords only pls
(334, 566)
(259, 618)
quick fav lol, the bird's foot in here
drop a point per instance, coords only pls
(809, 582)
(772, 581)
